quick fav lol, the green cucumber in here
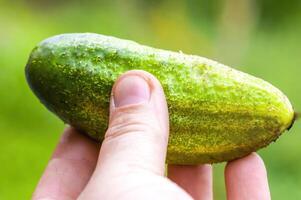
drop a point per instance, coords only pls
(216, 112)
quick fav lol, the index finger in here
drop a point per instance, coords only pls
(246, 178)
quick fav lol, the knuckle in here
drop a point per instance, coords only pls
(127, 122)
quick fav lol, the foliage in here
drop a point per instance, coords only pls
(269, 50)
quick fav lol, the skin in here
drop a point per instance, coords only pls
(130, 162)
(217, 113)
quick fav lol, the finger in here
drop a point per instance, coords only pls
(138, 127)
(136, 140)
(246, 178)
(195, 180)
(69, 169)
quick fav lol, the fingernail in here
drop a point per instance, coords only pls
(131, 90)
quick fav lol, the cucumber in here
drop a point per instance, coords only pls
(216, 112)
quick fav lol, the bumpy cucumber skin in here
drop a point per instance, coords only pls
(216, 113)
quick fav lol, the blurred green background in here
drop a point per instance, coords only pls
(258, 37)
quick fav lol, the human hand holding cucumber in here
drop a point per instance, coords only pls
(216, 114)
(130, 163)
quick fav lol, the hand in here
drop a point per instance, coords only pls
(131, 161)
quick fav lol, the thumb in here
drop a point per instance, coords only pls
(138, 127)
(137, 135)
